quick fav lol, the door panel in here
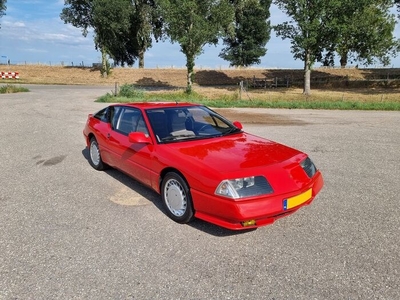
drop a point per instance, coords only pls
(133, 159)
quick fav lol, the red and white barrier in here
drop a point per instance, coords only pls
(9, 75)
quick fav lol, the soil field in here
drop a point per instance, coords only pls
(351, 84)
(176, 78)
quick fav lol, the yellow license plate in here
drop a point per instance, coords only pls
(297, 200)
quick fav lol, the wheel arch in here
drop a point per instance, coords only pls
(186, 201)
(89, 137)
(168, 170)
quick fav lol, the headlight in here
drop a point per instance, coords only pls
(244, 187)
(308, 167)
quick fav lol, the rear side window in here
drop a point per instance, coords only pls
(108, 114)
(101, 115)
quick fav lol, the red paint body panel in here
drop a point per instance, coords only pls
(205, 163)
(264, 210)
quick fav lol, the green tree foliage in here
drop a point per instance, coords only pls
(252, 30)
(122, 28)
(193, 24)
(306, 31)
(3, 8)
(147, 18)
(361, 31)
(113, 30)
(79, 14)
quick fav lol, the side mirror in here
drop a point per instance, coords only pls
(139, 138)
(238, 125)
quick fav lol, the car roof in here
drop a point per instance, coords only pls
(149, 105)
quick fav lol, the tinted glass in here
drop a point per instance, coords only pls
(129, 120)
(186, 123)
(101, 115)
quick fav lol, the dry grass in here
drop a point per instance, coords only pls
(177, 77)
(338, 84)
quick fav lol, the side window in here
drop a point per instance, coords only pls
(130, 120)
(101, 115)
(114, 115)
(219, 123)
(108, 115)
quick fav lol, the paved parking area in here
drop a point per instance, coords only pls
(70, 232)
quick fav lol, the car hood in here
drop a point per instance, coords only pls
(233, 153)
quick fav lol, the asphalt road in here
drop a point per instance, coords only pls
(70, 232)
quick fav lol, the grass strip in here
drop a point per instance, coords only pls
(9, 89)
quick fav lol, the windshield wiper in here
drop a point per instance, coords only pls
(232, 130)
(177, 137)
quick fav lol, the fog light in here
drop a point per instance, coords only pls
(249, 223)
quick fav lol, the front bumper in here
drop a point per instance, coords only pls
(263, 211)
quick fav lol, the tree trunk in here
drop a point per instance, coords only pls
(190, 72)
(307, 74)
(103, 64)
(343, 60)
(141, 59)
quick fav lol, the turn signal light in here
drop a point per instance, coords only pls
(249, 223)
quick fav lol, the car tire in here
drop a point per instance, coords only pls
(176, 197)
(95, 156)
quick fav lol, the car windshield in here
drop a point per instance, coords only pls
(173, 124)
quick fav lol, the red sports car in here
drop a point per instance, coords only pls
(203, 165)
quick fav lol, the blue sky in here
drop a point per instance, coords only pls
(32, 32)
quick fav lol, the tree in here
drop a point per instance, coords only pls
(362, 31)
(109, 20)
(128, 24)
(252, 30)
(306, 30)
(112, 28)
(193, 24)
(147, 19)
(79, 14)
(3, 8)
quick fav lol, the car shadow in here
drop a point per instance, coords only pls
(214, 229)
(155, 198)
